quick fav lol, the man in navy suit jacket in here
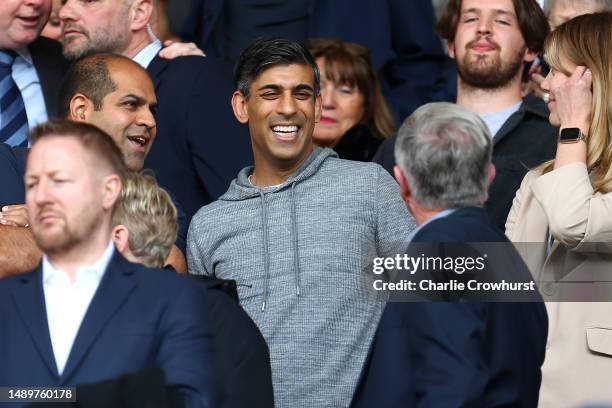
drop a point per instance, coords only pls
(466, 353)
(200, 146)
(86, 314)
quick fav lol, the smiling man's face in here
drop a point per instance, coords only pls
(489, 47)
(128, 113)
(21, 21)
(281, 112)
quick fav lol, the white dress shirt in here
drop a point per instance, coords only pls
(146, 55)
(67, 302)
(26, 79)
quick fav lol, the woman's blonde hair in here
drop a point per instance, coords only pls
(348, 63)
(587, 40)
(148, 213)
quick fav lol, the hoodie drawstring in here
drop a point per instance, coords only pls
(296, 257)
(264, 221)
(294, 239)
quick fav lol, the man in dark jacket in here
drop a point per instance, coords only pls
(489, 84)
(462, 353)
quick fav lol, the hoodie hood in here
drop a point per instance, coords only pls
(241, 189)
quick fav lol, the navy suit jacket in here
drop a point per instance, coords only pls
(469, 354)
(400, 35)
(50, 66)
(138, 317)
(12, 168)
(200, 146)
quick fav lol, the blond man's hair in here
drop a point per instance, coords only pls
(148, 213)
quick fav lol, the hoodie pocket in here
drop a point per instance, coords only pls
(599, 340)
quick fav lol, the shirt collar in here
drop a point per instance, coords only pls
(50, 273)
(25, 54)
(146, 55)
(441, 214)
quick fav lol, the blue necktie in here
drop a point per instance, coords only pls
(13, 118)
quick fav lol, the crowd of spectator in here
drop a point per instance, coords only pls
(193, 195)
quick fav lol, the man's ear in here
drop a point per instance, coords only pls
(239, 105)
(492, 173)
(405, 192)
(140, 14)
(451, 49)
(120, 236)
(112, 188)
(80, 108)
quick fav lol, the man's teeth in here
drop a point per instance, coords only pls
(285, 129)
(140, 140)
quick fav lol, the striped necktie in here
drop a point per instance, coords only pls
(13, 118)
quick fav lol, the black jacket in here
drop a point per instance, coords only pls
(50, 66)
(200, 146)
(358, 143)
(462, 353)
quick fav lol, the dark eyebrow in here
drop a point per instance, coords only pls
(271, 87)
(304, 87)
(139, 99)
(275, 87)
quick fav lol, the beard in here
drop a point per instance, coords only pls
(489, 71)
(65, 237)
(96, 41)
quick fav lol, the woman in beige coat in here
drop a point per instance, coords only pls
(564, 211)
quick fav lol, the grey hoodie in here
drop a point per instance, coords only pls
(299, 253)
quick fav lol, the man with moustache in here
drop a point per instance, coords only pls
(491, 41)
(85, 314)
(297, 232)
(200, 146)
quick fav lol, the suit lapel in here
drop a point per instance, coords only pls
(116, 286)
(155, 69)
(30, 302)
(48, 62)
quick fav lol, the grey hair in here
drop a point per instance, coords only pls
(548, 4)
(444, 151)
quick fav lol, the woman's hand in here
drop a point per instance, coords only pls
(180, 49)
(574, 100)
(15, 215)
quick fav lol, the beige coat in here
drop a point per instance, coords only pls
(578, 364)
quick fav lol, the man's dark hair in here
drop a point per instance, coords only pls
(90, 76)
(531, 20)
(265, 52)
(100, 145)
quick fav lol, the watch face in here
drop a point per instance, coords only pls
(570, 134)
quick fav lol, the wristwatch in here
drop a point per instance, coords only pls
(571, 135)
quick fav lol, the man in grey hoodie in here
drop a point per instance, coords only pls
(298, 230)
